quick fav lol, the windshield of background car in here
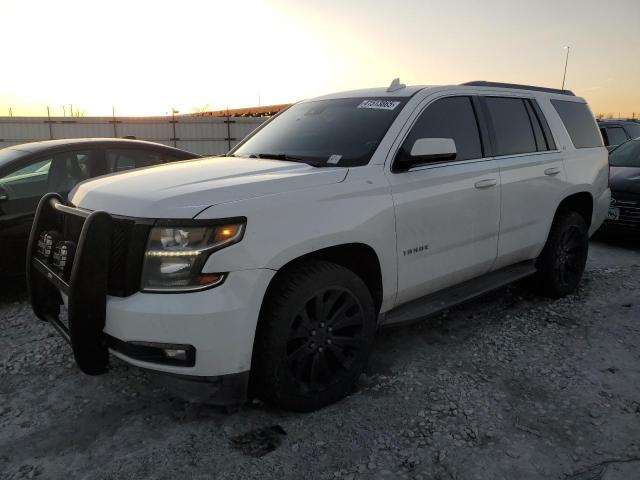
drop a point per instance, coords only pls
(341, 132)
(626, 155)
(8, 155)
(633, 129)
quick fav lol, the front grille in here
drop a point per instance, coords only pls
(127, 246)
(629, 216)
(120, 239)
(128, 243)
(629, 205)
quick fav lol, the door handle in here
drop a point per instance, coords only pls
(552, 171)
(487, 183)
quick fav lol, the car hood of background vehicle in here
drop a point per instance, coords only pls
(625, 179)
(183, 189)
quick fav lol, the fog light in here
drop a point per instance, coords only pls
(46, 243)
(175, 354)
(63, 256)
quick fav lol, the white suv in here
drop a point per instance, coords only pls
(268, 271)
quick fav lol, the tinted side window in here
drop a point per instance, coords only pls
(451, 117)
(616, 135)
(69, 168)
(27, 181)
(119, 160)
(633, 130)
(605, 137)
(512, 127)
(579, 123)
(170, 157)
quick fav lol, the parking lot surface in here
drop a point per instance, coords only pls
(510, 386)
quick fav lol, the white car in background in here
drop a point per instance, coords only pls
(268, 271)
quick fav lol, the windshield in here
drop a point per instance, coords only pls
(341, 132)
(8, 155)
(633, 129)
(626, 155)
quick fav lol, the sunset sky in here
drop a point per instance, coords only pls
(145, 57)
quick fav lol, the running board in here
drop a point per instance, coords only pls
(449, 297)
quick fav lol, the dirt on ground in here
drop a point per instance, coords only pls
(511, 386)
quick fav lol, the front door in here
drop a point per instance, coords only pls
(447, 213)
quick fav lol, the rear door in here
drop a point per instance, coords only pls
(532, 175)
(447, 213)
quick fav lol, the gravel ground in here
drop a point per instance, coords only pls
(511, 386)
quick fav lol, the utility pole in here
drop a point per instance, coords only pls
(173, 122)
(64, 111)
(114, 121)
(10, 112)
(50, 123)
(566, 62)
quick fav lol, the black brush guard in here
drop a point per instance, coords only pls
(86, 286)
(106, 262)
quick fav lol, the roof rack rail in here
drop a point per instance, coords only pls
(483, 83)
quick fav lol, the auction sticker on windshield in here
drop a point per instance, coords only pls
(379, 104)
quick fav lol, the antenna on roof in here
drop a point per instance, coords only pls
(396, 85)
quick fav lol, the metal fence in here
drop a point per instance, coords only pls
(202, 135)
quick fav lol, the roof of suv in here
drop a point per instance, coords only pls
(613, 120)
(406, 91)
(410, 90)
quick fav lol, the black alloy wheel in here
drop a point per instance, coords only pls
(571, 256)
(314, 336)
(561, 264)
(326, 337)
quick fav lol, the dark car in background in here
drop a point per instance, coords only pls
(616, 132)
(624, 168)
(30, 170)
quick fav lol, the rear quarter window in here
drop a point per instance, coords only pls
(579, 123)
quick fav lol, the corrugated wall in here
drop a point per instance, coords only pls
(203, 135)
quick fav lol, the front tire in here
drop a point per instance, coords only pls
(314, 337)
(562, 261)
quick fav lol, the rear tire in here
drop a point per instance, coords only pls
(562, 261)
(314, 337)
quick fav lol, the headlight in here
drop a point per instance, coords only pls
(175, 256)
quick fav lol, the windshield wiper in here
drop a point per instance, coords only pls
(288, 158)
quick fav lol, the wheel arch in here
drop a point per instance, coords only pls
(579, 202)
(360, 258)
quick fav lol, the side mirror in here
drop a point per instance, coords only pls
(4, 195)
(425, 150)
(429, 149)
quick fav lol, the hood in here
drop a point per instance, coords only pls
(625, 179)
(183, 189)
